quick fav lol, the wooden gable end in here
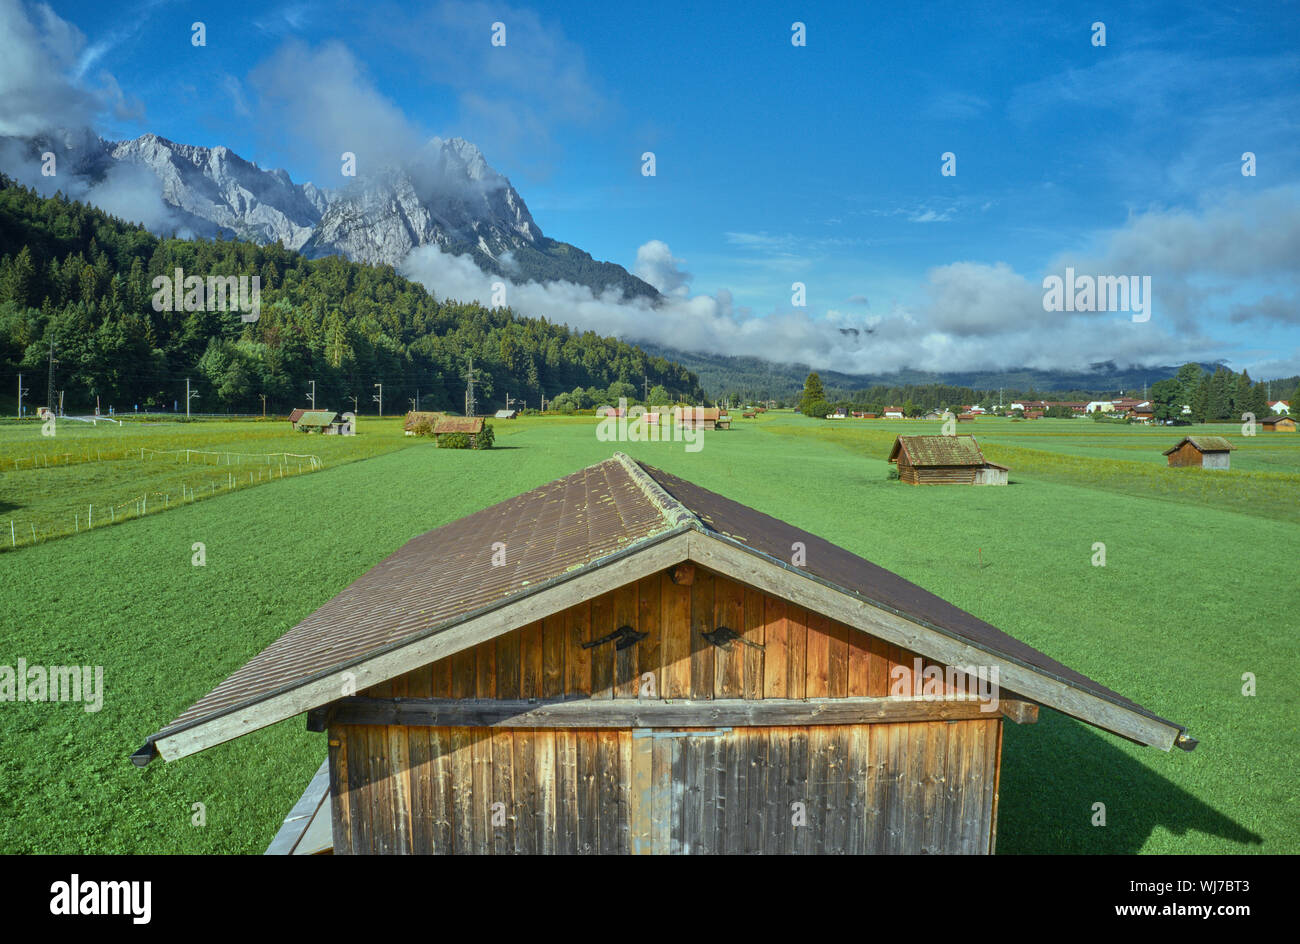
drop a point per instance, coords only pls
(803, 654)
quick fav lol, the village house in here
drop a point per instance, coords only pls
(893, 413)
(623, 662)
(1208, 452)
(1280, 406)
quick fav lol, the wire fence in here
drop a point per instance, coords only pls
(268, 466)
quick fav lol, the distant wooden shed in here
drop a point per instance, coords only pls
(944, 460)
(699, 417)
(471, 426)
(1278, 424)
(1208, 452)
(507, 414)
(641, 673)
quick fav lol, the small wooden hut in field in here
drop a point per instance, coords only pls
(1277, 424)
(471, 426)
(622, 662)
(1208, 452)
(295, 416)
(944, 460)
(698, 417)
(507, 414)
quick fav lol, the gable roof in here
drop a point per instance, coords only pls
(1282, 418)
(296, 415)
(923, 451)
(415, 417)
(459, 424)
(317, 418)
(506, 414)
(593, 531)
(1203, 444)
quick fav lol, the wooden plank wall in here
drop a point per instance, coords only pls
(804, 654)
(924, 787)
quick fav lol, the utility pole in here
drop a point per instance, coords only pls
(379, 398)
(49, 390)
(189, 396)
(647, 387)
(21, 390)
(471, 405)
(354, 404)
(417, 399)
(312, 396)
(263, 396)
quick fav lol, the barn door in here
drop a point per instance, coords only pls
(670, 769)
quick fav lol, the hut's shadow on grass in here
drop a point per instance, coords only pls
(1052, 777)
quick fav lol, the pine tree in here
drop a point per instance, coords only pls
(813, 392)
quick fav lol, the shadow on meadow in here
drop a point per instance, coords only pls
(1051, 777)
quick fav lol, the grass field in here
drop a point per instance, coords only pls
(1197, 590)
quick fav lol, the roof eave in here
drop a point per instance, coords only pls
(1148, 728)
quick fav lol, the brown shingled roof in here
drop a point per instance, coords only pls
(923, 451)
(571, 529)
(1203, 444)
(459, 424)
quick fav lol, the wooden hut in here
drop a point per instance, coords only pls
(944, 460)
(471, 426)
(507, 414)
(295, 416)
(641, 671)
(1277, 424)
(1208, 452)
(698, 417)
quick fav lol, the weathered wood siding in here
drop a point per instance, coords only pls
(923, 787)
(936, 475)
(804, 654)
(1186, 454)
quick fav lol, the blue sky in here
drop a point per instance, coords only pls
(818, 164)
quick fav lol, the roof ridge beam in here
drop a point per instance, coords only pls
(673, 511)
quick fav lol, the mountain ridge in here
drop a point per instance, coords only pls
(446, 195)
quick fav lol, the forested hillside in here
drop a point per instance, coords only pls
(75, 277)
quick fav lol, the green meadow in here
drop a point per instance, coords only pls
(1196, 592)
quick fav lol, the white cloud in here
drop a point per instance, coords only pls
(320, 103)
(37, 92)
(656, 264)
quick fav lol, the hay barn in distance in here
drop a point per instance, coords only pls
(1208, 452)
(642, 673)
(471, 426)
(1278, 424)
(944, 460)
